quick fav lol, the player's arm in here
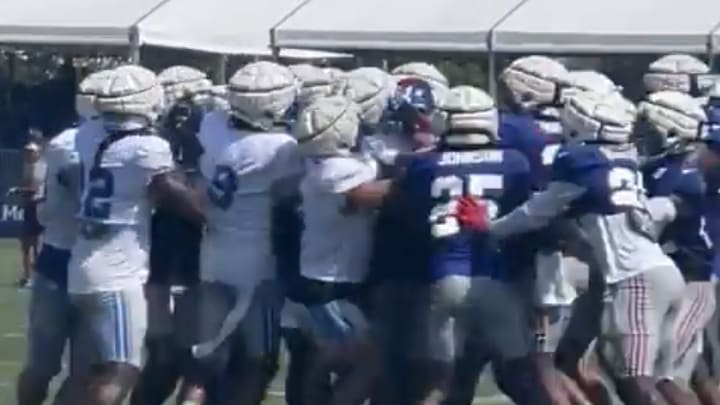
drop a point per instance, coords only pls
(663, 211)
(171, 192)
(62, 170)
(538, 211)
(168, 186)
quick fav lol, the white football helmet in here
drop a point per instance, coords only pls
(328, 127)
(590, 80)
(131, 99)
(589, 116)
(219, 96)
(677, 72)
(87, 93)
(370, 93)
(674, 117)
(425, 71)
(260, 93)
(535, 81)
(375, 73)
(314, 82)
(471, 117)
(183, 81)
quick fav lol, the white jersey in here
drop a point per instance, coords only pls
(111, 251)
(61, 192)
(237, 248)
(336, 244)
(214, 136)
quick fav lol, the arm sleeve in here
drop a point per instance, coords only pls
(155, 156)
(538, 211)
(62, 166)
(343, 175)
(662, 210)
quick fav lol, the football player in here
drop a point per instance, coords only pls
(175, 246)
(596, 180)
(250, 163)
(469, 275)
(49, 316)
(533, 89)
(315, 83)
(400, 298)
(335, 247)
(674, 122)
(125, 169)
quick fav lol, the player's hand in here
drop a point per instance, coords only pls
(473, 214)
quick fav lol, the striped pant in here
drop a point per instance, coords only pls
(697, 309)
(636, 337)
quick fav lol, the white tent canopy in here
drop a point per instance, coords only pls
(609, 26)
(439, 25)
(221, 26)
(71, 22)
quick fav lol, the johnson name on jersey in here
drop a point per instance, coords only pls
(432, 185)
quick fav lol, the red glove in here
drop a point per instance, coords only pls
(473, 214)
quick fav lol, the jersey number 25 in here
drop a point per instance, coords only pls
(447, 190)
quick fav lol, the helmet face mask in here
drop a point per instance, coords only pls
(672, 122)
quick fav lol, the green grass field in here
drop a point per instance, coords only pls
(13, 304)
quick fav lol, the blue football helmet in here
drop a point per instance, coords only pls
(412, 107)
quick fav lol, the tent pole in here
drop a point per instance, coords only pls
(134, 51)
(492, 65)
(220, 69)
(711, 51)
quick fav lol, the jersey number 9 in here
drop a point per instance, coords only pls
(447, 190)
(223, 186)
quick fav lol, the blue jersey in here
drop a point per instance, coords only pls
(606, 179)
(521, 132)
(431, 186)
(686, 239)
(712, 214)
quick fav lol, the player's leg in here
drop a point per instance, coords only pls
(185, 334)
(341, 334)
(636, 332)
(470, 361)
(159, 375)
(703, 384)
(399, 322)
(260, 332)
(49, 330)
(505, 333)
(697, 308)
(215, 302)
(116, 323)
(448, 296)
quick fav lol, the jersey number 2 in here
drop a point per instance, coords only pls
(447, 190)
(223, 186)
(96, 205)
